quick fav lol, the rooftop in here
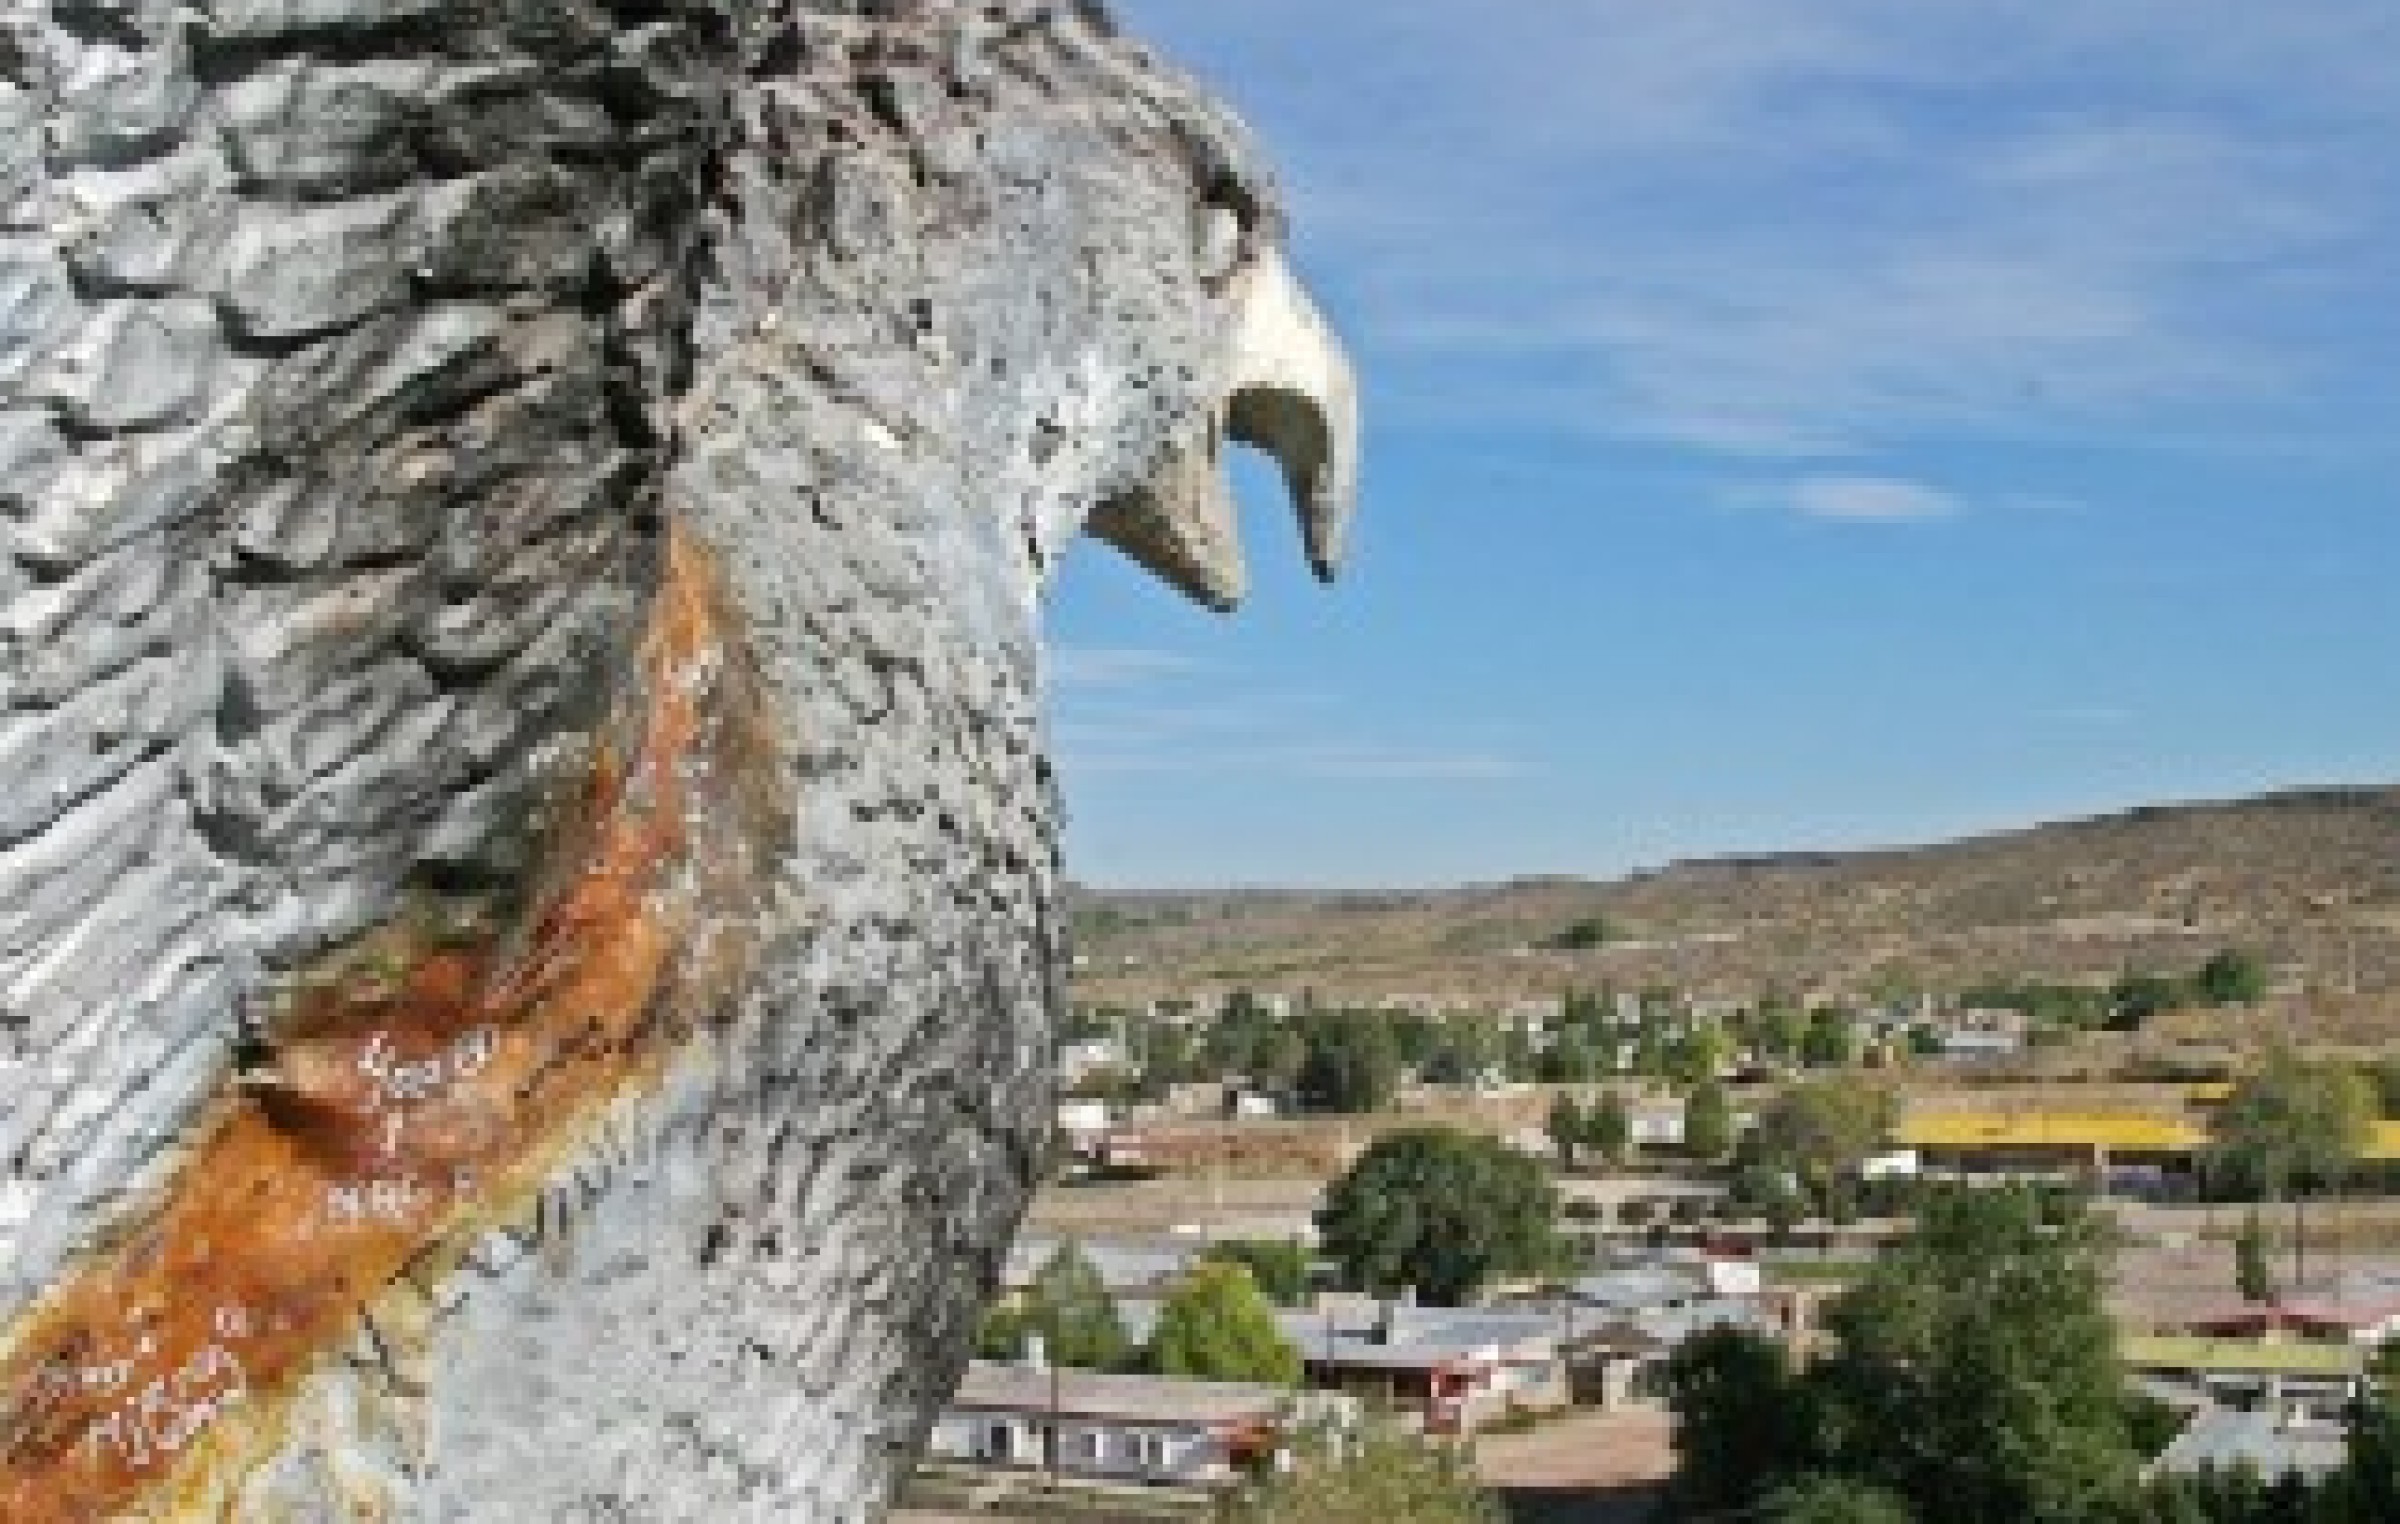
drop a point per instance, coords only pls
(2245, 1357)
(1124, 1264)
(2223, 1439)
(2082, 1129)
(1420, 1336)
(990, 1387)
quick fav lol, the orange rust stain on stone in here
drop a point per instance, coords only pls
(405, 1110)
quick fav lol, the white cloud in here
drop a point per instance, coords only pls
(2094, 716)
(1119, 666)
(1226, 729)
(1314, 761)
(1871, 500)
(1772, 230)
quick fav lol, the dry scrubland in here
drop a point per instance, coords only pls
(2309, 878)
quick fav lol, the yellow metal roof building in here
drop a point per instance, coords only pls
(2129, 1132)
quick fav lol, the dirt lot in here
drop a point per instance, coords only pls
(2166, 1287)
(1590, 1467)
(1234, 1208)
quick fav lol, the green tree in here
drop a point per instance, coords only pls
(1374, 1473)
(2383, 1076)
(1608, 1128)
(1575, 1059)
(2231, 978)
(1580, 936)
(1834, 1500)
(2368, 1485)
(1708, 1121)
(1217, 1326)
(1700, 1056)
(1782, 1026)
(1745, 1420)
(1974, 1369)
(2289, 1124)
(1564, 1127)
(2138, 998)
(2292, 1119)
(1470, 1049)
(1001, 1334)
(1353, 1064)
(1280, 1266)
(2251, 1274)
(1824, 1128)
(1069, 1306)
(1439, 1211)
(1831, 1041)
(1278, 1058)
(1167, 1055)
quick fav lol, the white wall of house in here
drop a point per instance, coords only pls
(1089, 1447)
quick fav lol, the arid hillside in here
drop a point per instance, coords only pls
(2309, 880)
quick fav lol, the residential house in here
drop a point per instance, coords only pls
(1622, 1324)
(1094, 1426)
(1452, 1370)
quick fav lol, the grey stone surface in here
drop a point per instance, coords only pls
(354, 359)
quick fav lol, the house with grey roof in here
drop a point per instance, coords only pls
(1093, 1426)
(1450, 1369)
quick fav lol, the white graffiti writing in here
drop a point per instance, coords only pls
(398, 1083)
(170, 1410)
(363, 1202)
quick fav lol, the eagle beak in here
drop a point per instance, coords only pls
(1290, 392)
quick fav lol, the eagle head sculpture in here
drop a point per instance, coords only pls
(528, 868)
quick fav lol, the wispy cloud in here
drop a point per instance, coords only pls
(1130, 715)
(1083, 667)
(1321, 761)
(1759, 229)
(1871, 500)
(2092, 716)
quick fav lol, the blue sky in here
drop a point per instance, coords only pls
(1794, 423)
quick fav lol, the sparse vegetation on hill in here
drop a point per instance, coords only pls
(2307, 882)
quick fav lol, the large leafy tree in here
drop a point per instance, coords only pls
(1441, 1212)
(2368, 1486)
(1820, 1129)
(1353, 1063)
(1975, 1372)
(1217, 1326)
(1745, 1421)
(1280, 1266)
(2290, 1123)
(1835, 1500)
(2294, 1120)
(1068, 1305)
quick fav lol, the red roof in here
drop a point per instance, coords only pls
(2302, 1313)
